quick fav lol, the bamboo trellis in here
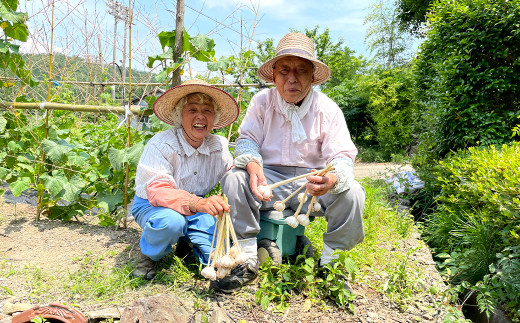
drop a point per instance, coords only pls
(54, 75)
(134, 109)
(230, 85)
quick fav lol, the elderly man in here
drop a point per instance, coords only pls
(287, 131)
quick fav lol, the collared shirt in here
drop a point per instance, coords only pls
(265, 136)
(169, 158)
(327, 133)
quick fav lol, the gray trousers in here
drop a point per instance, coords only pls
(343, 212)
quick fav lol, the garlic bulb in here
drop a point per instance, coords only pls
(223, 272)
(265, 191)
(279, 206)
(291, 220)
(209, 273)
(316, 207)
(227, 262)
(303, 219)
(234, 251)
(302, 196)
(241, 258)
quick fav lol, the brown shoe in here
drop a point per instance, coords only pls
(145, 267)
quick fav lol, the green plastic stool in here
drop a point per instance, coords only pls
(277, 239)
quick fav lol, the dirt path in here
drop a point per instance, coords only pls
(379, 170)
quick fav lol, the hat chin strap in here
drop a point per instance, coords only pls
(304, 93)
(186, 133)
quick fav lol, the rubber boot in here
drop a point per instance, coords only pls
(145, 267)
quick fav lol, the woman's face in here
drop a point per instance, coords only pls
(197, 120)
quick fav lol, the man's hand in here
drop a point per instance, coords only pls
(256, 178)
(319, 185)
(213, 205)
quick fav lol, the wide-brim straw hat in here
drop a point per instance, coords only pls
(299, 45)
(164, 106)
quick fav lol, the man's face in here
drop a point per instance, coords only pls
(293, 76)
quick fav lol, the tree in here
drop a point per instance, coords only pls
(468, 76)
(411, 14)
(392, 110)
(385, 39)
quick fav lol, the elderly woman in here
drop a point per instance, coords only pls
(177, 168)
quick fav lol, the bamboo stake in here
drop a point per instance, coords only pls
(128, 115)
(141, 83)
(48, 112)
(135, 109)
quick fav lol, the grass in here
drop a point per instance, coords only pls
(383, 262)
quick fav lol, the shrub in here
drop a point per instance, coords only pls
(478, 216)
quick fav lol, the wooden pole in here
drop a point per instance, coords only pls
(134, 109)
(179, 33)
(114, 61)
(46, 132)
(128, 116)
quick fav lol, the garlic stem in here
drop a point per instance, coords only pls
(212, 252)
(292, 179)
(227, 234)
(327, 168)
(294, 193)
(300, 206)
(311, 206)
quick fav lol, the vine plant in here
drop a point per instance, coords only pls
(14, 29)
(84, 165)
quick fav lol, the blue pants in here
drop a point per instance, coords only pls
(163, 227)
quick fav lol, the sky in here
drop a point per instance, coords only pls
(84, 27)
(276, 17)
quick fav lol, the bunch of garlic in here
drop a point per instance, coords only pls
(223, 257)
(297, 218)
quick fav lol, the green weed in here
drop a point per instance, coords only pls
(39, 319)
(280, 283)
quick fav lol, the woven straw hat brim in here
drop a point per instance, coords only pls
(321, 71)
(164, 105)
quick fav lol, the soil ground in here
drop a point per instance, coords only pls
(57, 247)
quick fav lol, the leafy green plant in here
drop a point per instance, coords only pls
(393, 111)
(402, 281)
(14, 27)
(282, 282)
(84, 166)
(475, 226)
(502, 284)
(7, 290)
(200, 47)
(39, 319)
(468, 74)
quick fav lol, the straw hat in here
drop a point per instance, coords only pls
(295, 44)
(164, 106)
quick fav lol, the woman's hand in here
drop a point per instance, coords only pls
(319, 185)
(256, 178)
(213, 205)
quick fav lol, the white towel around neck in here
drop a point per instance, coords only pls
(294, 114)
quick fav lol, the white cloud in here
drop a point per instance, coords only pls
(32, 46)
(249, 3)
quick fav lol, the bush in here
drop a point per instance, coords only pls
(478, 214)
